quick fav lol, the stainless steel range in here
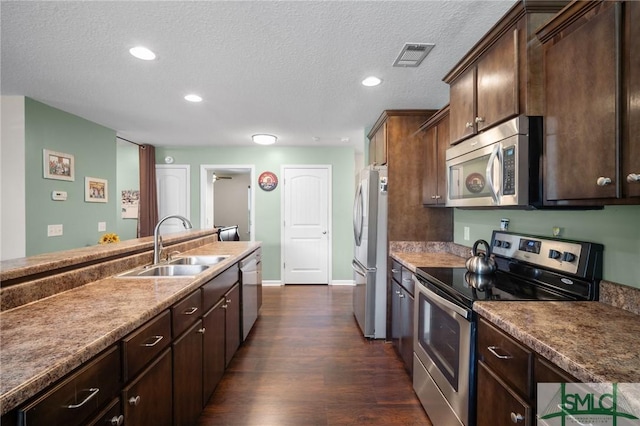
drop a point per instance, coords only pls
(529, 268)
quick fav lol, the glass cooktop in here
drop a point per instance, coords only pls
(465, 288)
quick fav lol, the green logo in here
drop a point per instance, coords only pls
(587, 403)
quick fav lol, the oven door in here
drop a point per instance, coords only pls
(442, 356)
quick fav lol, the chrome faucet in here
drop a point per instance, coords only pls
(157, 240)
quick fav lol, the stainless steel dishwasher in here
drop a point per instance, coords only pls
(251, 270)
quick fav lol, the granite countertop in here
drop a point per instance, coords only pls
(413, 260)
(45, 340)
(593, 341)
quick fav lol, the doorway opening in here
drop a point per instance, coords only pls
(228, 196)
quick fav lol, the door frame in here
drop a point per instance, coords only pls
(329, 169)
(206, 194)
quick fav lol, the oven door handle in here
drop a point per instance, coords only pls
(442, 302)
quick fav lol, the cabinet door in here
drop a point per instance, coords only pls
(462, 101)
(497, 82)
(429, 180)
(187, 376)
(213, 350)
(631, 148)
(396, 316)
(147, 400)
(580, 126)
(498, 404)
(378, 146)
(232, 323)
(441, 159)
(406, 336)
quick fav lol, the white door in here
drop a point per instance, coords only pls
(173, 185)
(307, 222)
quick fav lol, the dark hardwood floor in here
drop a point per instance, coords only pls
(306, 363)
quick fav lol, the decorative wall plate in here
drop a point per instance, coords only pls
(475, 182)
(268, 181)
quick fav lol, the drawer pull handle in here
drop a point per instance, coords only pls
(191, 311)
(395, 271)
(117, 420)
(149, 345)
(93, 392)
(492, 349)
(516, 418)
(407, 280)
(134, 400)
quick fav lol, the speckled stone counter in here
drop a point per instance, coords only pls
(412, 261)
(44, 340)
(592, 341)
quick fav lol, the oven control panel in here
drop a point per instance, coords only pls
(560, 255)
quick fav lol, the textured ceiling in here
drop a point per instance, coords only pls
(291, 68)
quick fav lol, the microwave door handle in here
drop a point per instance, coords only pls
(489, 172)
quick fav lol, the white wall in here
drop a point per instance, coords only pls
(12, 178)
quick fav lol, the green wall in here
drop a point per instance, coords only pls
(94, 149)
(267, 205)
(616, 227)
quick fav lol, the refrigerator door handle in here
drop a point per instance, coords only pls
(358, 208)
(359, 269)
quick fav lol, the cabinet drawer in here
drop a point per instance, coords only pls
(512, 361)
(407, 281)
(217, 287)
(498, 404)
(145, 343)
(396, 271)
(79, 396)
(186, 312)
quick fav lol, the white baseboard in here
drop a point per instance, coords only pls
(278, 283)
(271, 283)
(343, 282)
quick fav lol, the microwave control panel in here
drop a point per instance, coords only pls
(509, 170)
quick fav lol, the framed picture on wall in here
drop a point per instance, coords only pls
(58, 165)
(95, 190)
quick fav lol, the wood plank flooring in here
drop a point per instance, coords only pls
(306, 363)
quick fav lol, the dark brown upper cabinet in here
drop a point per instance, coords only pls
(592, 121)
(501, 76)
(435, 133)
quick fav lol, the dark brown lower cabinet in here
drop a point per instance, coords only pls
(232, 322)
(498, 403)
(213, 349)
(187, 376)
(147, 399)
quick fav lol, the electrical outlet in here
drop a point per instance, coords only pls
(102, 226)
(54, 230)
(466, 233)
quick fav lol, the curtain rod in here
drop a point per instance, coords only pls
(127, 140)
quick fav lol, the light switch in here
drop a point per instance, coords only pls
(102, 226)
(54, 230)
(466, 233)
(59, 195)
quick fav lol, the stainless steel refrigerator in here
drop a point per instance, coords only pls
(370, 254)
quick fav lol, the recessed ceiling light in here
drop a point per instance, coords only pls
(371, 81)
(193, 98)
(264, 139)
(143, 53)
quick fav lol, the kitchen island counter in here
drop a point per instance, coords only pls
(47, 339)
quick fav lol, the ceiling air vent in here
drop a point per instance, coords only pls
(413, 54)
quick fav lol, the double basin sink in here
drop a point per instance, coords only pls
(186, 266)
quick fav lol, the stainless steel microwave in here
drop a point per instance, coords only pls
(498, 167)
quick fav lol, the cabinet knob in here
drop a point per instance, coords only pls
(479, 119)
(228, 300)
(438, 197)
(202, 330)
(225, 306)
(468, 125)
(397, 292)
(401, 296)
(516, 418)
(633, 178)
(433, 197)
(134, 400)
(603, 181)
(117, 420)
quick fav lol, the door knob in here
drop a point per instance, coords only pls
(324, 232)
